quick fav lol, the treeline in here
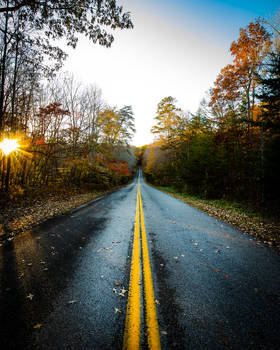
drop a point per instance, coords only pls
(230, 147)
(66, 133)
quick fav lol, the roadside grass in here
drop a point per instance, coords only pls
(218, 203)
(239, 215)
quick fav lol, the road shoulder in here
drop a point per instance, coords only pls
(266, 231)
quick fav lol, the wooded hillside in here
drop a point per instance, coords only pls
(230, 147)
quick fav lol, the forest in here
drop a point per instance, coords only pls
(229, 149)
(54, 130)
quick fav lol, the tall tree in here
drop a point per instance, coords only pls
(238, 80)
(169, 119)
(38, 25)
(117, 126)
(269, 93)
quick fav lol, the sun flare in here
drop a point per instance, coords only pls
(9, 145)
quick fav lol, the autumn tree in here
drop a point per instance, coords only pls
(238, 80)
(117, 126)
(31, 29)
(169, 120)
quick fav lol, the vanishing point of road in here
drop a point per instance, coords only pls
(138, 269)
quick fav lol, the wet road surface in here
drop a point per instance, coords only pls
(63, 285)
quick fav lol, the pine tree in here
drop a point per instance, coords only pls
(270, 94)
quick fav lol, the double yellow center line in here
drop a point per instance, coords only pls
(132, 331)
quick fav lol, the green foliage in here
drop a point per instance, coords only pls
(269, 92)
(230, 152)
(168, 119)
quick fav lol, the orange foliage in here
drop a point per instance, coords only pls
(239, 78)
(119, 167)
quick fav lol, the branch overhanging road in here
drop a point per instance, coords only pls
(68, 283)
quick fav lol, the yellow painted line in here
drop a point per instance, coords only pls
(131, 339)
(132, 330)
(150, 307)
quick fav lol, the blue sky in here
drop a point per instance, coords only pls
(176, 48)
(254, 7)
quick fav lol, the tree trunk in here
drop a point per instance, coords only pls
(3, 70)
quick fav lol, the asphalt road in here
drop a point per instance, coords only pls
(63, 284)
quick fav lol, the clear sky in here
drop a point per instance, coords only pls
(176, 48)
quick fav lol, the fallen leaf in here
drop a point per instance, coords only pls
(225, 275)
(123, 291)
(157, 302)
(161, 264)
(38, 325)
(117, 310)
(117, 283)
(217, 251)
(175, 257)
(30, 296)
(163, 332)
(121, 294)
(217, 270)
(72, 302)
(115, 291)
(195, 243)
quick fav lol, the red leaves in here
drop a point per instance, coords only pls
(53, 109)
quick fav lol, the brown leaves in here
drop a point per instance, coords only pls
(268, 231)
(23, 215)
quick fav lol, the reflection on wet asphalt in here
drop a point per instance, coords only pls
(216, 288)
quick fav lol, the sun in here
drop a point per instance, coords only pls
(9, 145)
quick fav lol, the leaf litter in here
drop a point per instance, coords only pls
(265, 229)
(21, 215)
